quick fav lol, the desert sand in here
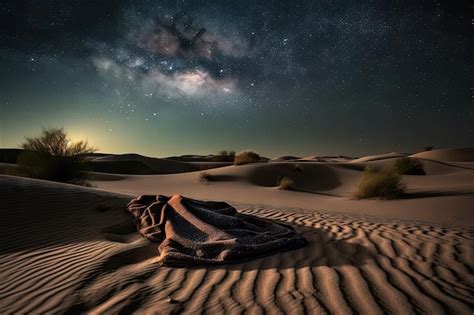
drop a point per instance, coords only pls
(444, 196)
(68, 248)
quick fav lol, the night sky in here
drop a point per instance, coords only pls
(282, 77)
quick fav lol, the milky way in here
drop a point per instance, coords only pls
(280, 77)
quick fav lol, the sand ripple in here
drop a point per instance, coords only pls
(69, 249)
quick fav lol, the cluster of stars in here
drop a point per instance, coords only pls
(307, 64)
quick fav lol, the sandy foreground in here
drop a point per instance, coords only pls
(73, 249)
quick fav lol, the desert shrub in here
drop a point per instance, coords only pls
(52, 156)
(246, 157)
(385, 184)
(286, 183)
(205, 177)
(408, 166)
(56, 143)
(224, 156)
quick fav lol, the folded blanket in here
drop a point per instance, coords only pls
(192, 232)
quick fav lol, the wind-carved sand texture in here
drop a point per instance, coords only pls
(71, 249)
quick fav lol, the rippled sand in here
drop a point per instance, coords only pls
(67, 248)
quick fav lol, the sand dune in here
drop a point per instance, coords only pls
(439, 156)
(67, 248)
(453, 155)
(370, 158)
(191, 158)
(311, 157)
(139, 164)
(7, 168)
(325, 158)
(126, 163)
(445, 195)
(159, 166)
(285, 158)
(314, 177)
(431, 167)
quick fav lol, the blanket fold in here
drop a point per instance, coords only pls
(192, 232)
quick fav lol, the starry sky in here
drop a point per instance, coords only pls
(165, 78)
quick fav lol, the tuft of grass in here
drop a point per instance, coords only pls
(384, 184)
(246, 157)
(408, 166)
(286, 183)
(84, 183)
(205, 177)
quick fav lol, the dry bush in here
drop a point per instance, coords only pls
(55, 142)
(286, 183)
(246, 157)
(52, 156)
(384, 184)
(408, 166)
(205, 177)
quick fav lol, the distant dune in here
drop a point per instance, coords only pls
(370, 158)
(191, 158)
(129, 163)
(139, 164)
(452, 155)
(285, 158)
(149, 165)
(11, 155)
(326, 158)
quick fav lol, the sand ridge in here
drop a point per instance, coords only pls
(378, 157)
(453, 155)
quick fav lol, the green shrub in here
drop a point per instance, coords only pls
(408, 166)
(52, 156)
(286, 183)
(246, 157)
(384, 184)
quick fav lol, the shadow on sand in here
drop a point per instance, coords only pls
(323, 249)
(431, 194)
